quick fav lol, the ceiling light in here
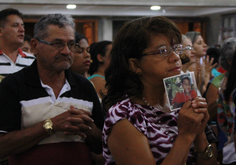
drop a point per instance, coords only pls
(71, 6)
(155, 7)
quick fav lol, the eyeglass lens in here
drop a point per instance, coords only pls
(60, 45)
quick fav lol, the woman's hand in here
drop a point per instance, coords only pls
(189, 122)
(199, 105)
(209, 66)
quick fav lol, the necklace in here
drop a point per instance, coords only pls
(165, 108)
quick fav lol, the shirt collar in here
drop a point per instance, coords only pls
(19, 52)
(32, 76)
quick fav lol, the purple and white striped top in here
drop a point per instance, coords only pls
(160, 128)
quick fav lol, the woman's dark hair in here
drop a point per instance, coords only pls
(79, 37)
(231, 82)
(214, 52)
(27, 38)
(95, 49)
(131, 41)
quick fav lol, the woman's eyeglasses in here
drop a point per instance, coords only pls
(165, 51)
(188, 48)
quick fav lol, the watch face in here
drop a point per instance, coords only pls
(47, 125)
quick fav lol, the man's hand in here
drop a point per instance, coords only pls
(73, 122)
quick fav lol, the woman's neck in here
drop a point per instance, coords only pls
(100, 71)
(154, 97)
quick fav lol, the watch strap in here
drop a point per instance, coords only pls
(207, 154)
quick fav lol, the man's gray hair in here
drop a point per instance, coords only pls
(227, 52)
(40, 28)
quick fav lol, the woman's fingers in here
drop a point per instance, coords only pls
(199, 102)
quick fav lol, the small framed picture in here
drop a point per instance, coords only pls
(179, 89)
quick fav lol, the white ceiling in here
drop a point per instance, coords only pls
(183, 8)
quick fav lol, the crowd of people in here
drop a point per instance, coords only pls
(67, 101)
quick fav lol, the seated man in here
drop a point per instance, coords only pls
(50, 115)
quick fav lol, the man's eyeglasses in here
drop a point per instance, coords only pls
(59, 45)
(165, 51)
(188, 48)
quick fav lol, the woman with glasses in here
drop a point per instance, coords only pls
(188, 55)
(188, 58)
(139, 127)
(82, 57)
(206, 66)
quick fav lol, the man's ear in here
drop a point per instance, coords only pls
(34, 45)
(100, 58)
(134, 66)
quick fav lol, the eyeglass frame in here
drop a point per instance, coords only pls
(65, 44)
(154, 52)
(187, 48)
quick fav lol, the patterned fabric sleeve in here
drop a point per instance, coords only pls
(116, 113)
(124, 111)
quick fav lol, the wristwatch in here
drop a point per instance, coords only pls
(48, 126)
(207, 154)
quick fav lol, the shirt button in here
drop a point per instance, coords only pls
(166, 132)
(159, 121)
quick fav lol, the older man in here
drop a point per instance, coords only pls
(12, 58)
(50, 115)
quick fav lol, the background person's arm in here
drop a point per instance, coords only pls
(211, 97)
